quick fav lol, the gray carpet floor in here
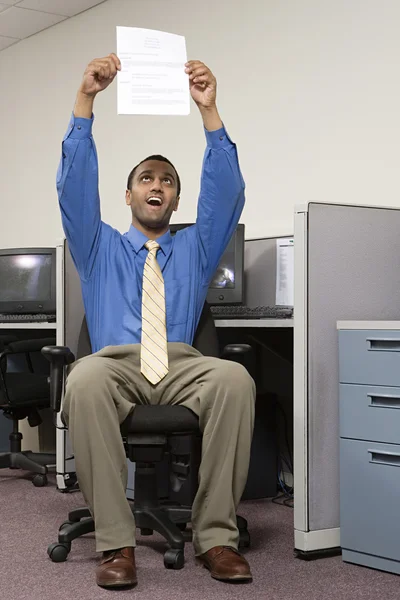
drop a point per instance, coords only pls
(30, 518)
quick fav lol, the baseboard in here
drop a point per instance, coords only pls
(319, 540)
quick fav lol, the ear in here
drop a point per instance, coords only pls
(128, 197)
(177, 203)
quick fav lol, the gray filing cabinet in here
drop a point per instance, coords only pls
(369, 407)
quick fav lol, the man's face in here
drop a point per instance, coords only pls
(153, 194)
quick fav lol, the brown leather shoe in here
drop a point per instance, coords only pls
(226, 564)
(117, 568)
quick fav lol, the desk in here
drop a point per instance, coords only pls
(11, 326)
(272, 342)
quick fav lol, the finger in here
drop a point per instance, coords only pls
(199, 71)
(100, 72)
(105, 71)
(98, 66)
(202, 79)
(108, 68)
(116, 61)
(193, 64)
(112, 69)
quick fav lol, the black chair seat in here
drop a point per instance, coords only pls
(27, 389)
(160, 419)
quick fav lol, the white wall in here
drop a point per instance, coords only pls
(309, 90)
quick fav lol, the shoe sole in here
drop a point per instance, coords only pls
(233, 578)
(122, 583)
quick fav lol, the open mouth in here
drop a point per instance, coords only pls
(154, 201)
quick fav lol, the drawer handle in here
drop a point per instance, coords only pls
(384, 401)
(384, 344)
(379, 457)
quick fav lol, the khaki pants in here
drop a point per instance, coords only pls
(101, 391)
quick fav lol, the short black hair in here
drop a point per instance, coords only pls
(161, 159)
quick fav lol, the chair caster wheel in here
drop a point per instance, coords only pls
(244, 539)
(174, 559)
(64, 525)
(58, 552)
(39, 480)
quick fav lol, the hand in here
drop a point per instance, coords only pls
(203, 85)
(98, 75)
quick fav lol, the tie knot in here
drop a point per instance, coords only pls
(152, 245)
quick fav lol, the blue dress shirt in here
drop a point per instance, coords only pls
(110, 265)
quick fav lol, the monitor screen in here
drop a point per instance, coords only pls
(27, 280)
(224, 277)
(227, 283)
(25, 277)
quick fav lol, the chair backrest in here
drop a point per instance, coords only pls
(205, 339)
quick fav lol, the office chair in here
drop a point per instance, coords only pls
(149, 433)
(22, 395)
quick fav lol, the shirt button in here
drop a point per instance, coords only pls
(221, 137)
(79, 127)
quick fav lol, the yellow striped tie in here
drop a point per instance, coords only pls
(153, 352)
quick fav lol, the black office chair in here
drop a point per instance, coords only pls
(149, 433)
(22, 395)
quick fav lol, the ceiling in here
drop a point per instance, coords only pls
(20, 19)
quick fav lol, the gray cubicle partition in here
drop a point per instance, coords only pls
(260, 271)
(76, 334)
(347, 267)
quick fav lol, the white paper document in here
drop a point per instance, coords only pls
(152, 80)
(284, 272)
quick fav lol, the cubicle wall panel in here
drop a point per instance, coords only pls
(354, 274)
(260, 272)
(76, 334)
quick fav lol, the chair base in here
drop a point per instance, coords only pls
(168, 520)
(35, 462)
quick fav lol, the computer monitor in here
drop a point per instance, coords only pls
(28, 280)
(226, 286)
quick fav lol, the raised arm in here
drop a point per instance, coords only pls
(221, 197)
(77, 176)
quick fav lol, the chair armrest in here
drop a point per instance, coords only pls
(6, 339)
(234, 351)
(58, 357)
(23, 346)
(240, 353)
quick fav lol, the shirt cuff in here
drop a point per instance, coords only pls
(79, 128)
(218, 139)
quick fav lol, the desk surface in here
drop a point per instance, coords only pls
(43, 325)
(265, 323)
(368, 325)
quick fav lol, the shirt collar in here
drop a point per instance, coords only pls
(138, 240)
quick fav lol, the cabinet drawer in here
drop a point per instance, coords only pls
(369, 498)
(369, 413)
(369, 357)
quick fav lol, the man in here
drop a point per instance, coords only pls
(143, 294)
